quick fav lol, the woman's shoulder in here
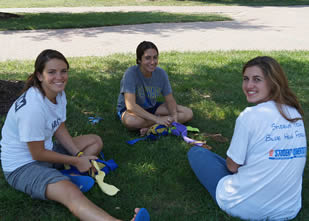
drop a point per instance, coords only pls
(161, 70)
(29, 102)
(131, 72)
(260, 110)
(132, 69)
(160, 73)
(35, 95)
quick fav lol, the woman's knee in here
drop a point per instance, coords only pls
(185, 114)
(199, 157)
(132, 122)
(97, 143)
(189, 114)
(196, 151)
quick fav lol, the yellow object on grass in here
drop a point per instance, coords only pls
(158, 129)
(110, 190)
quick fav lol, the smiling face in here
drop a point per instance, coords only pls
(255, 86)
(53, 78)
(149, 62)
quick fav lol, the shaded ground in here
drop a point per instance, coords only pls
(9, 91)
(4, 15)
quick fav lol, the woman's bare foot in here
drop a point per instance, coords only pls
(136, 210)
(143, 131)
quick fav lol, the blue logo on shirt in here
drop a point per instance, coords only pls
(56, 123)
(284, 154)
(20, 102)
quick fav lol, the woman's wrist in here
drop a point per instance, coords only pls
(79, 154)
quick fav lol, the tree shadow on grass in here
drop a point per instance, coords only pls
(161, 29)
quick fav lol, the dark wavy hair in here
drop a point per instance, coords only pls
(142, 47)
(39, 65)
(280, 91)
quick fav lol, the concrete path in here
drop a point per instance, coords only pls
(253, 28)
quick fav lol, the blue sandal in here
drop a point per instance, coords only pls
(84, 183)
(142, 215)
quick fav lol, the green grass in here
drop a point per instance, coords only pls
(155, 175)
(78, 3)
(30, 21)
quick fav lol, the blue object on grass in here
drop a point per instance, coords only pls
(102, 155)
(94, 120)
(142, 215)
(154, 133)
(131, 142)
(110, 165)
(84, 183)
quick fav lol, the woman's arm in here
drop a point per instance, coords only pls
(231, 165)
(63, 136)
(132, 106)
(171, 106)
(39, 153)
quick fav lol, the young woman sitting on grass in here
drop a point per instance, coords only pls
(140, 88)
(29, 156)
(261, 178)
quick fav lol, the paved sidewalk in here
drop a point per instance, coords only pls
(253, 28)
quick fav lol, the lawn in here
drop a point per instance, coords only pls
(34, 21)
(155, 175)
(78, 3)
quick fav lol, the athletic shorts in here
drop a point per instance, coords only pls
(34, 177)
(151, 110)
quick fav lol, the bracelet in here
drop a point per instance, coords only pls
(79, 154)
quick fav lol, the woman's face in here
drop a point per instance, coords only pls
(53, 78)
(149, 61)
(255, 86)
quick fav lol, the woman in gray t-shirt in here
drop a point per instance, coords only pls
(140, 88)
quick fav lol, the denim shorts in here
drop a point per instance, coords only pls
(151, 110)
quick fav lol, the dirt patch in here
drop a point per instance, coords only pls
(9, 91)
(4, 15)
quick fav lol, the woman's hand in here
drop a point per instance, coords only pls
(231, 165)
(164, 120)
(83, 163)
(175, 118)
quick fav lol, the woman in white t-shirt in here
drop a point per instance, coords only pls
(261, 178)
(28, 155)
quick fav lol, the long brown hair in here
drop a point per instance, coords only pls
(280, 91)
(39, 65)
